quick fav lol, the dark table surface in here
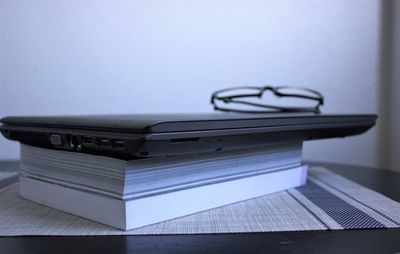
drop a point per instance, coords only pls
(340, 241)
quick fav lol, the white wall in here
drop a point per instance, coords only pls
(82, 57)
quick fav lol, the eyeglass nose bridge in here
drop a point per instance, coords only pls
(268, 88)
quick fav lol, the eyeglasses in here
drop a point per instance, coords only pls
(242, 99)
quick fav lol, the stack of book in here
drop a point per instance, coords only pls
(127, 194)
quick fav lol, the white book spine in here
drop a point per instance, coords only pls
(130, 214)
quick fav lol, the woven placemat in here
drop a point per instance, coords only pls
(327, 202)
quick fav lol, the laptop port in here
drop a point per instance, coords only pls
(102, 141)
(184, 140)
(73, 141)
(118, 143)
(87, 140)
(56, 139)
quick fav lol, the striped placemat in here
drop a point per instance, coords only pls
(328, 202)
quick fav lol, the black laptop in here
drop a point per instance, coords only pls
(147, 135)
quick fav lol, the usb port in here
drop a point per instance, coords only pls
(103, 141)
(87, 140)
(118, 143)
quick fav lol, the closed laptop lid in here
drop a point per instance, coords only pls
(156, 123)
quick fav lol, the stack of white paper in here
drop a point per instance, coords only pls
(130, 194)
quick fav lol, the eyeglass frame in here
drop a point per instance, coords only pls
(232, 99)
